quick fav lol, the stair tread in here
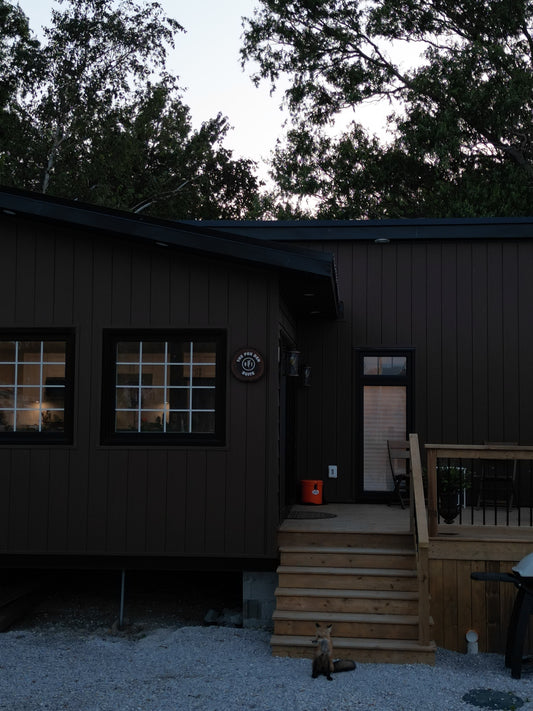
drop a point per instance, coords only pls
(374, 618)
(355, 643)
(390, 617)
(309, 526)
(346, 549)
(326, 570)
(332, 592)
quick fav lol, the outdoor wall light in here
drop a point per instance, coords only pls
(382, 240)
(293, 363)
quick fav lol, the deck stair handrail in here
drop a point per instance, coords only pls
(419, 528)
(434, 452)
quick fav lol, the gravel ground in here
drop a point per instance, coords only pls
(69, 657)
(221, 669)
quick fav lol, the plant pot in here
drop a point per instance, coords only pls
(449, 505)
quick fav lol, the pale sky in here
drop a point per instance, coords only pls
(206, 59)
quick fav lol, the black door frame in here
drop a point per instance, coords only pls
(360, 381)
(287, 431)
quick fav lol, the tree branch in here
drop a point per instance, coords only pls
(58, 140)
(144, 204)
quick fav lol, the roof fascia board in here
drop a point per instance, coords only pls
(419, 229)
(194, 237)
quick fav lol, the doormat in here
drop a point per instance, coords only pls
(311, 514)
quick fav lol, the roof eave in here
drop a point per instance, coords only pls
(295, 265)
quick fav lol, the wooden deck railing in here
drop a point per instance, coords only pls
(419, 528)
(466, 457)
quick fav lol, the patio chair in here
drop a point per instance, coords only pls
(400, 460)
(497, 480)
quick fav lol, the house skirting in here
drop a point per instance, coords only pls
(458, 603)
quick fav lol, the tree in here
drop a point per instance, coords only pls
(95, 116)
(461, 116)
(18, 51)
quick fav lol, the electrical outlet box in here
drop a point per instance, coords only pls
(332, 471)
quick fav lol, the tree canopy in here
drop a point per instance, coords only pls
(461, 115)
(93, 114)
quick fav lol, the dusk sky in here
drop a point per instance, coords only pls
(206, 59)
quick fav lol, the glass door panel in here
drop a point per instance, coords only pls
(384, 417)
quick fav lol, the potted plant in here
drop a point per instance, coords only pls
(452, 481)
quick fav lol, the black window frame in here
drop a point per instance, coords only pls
(108, 435)
(405, 378)
(47, 335)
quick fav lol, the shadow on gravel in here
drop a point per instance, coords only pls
(90, 600)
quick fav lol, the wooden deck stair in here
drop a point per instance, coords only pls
(366, 586)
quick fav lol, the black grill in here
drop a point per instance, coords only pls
(522, 578)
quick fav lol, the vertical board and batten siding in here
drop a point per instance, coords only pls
(465, 308)
(89, 499)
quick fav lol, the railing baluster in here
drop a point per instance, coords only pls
(492, 483)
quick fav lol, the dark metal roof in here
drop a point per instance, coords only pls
(416, 229)
(302, 271)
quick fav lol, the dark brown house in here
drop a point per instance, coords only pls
(436, 329)
(153, 414)
(126, 431)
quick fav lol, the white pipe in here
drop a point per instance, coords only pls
(471, 642)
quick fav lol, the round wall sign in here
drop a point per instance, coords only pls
(248, 365)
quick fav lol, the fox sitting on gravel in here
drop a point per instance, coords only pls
(323, 662)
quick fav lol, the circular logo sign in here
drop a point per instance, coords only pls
(247, 365)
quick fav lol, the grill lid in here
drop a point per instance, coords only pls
(525, 567)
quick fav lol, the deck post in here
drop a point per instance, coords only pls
(423, 595)
(432, 492)
(419, 524)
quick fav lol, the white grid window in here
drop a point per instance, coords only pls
(32, 385)
(165, 387)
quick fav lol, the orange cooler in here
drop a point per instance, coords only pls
(312, 491)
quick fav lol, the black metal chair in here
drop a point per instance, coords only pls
(497, 481)
(400, 461)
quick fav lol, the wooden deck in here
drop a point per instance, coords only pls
(457, 602)
(355, 518)
(356, 571)
(378, 518)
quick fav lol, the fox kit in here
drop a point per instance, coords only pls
(323, 662)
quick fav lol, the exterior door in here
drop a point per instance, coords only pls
(287, 435)
(385, 413)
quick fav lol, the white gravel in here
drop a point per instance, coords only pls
(223, 669)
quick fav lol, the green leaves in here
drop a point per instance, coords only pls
(464, 124)
(19, 59)
(93, 115)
